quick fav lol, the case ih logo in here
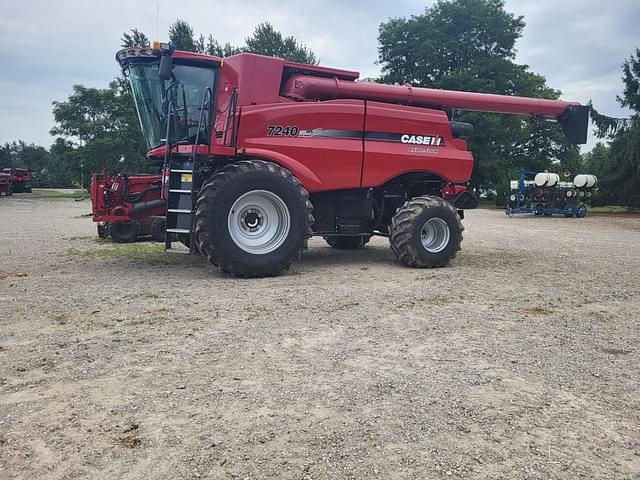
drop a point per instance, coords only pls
(432, 140)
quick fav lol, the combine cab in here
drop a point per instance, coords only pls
(127, 207)
(261, 153)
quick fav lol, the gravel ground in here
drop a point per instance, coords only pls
(520, 360)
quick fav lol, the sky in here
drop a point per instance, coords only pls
(49, 46)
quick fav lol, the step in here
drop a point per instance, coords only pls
(179, 210)
(181, 171)
(180, 251)
(178, 230)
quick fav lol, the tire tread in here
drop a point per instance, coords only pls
(206, 201)
(403, 223)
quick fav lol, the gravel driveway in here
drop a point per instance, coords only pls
(520, 360)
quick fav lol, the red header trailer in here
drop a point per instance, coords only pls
(5, 184)
(127, 206)
(357, 159)
(20, 179)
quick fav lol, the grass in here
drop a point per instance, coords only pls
(141, 251)
(83, 237)
(257, 313)
(490, 204)
(59, 195)
(613, 210)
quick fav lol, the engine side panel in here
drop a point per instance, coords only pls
(321, 141)
(401, 139)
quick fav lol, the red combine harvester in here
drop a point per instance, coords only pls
(5, 184)
(20, 179)
(261, 153)
(127, 206)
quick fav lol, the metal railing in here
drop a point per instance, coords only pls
(231, 120)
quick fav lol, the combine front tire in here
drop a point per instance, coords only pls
(253, 219)
(426, 232)
(125, 232)
(347, 242)
(158, 227)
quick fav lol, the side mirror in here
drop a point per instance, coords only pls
(166, 65)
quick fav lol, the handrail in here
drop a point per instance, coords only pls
(231, 118)
(171, 113)
(204, 108)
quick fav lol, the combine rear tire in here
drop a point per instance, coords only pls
(125, 232)
(349, 242)
(426, 232)
(253, 219)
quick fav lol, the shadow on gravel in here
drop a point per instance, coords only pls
(330, 257)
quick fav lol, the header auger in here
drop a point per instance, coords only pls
(260, 153)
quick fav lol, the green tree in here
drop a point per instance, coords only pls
(469, 45)
(213, 47)
(134, 38)
(182, 36)
(597, 160)
(266, 40)
(7, 156)
(619, 170)
(97, 129)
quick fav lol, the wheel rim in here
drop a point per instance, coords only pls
(582, 211)
(435, 235)
(259, 222)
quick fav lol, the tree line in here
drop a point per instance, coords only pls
(464, 45)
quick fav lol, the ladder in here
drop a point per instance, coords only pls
(180, 201)
(181, 177)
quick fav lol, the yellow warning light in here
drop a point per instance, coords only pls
(156, 44)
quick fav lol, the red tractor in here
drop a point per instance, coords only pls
(126, 207)
(261, 153)
(20, 179)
